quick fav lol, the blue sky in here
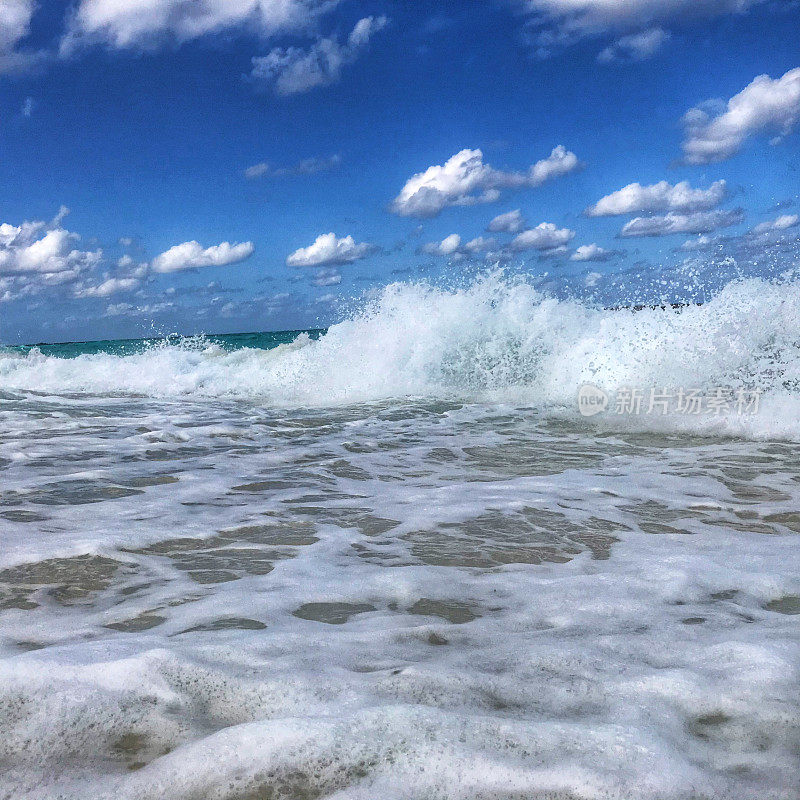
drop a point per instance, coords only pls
(236, 165)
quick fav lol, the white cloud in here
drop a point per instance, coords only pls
(764, 105)
(15, 20)
(452, 246)
(15, 23)
(308, 166)
(292, 70)
(636, 199)
(38, 255)
(599, 15)
(108, 287)
(190, 255)
(698, 222)
(327, 277)
(38, 248)
(449, 245)
(781, 223)
(510, 222)
(128, 309)
(144, 23)
(257, 170)
(465, 180)
(545, 236)
(560, 162)
(480, 244)
(559, 23)
(635, 47)
(593, 252)
(328, 249)
(701, 242)
(592, 279)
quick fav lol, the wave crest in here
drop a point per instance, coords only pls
(496, 340)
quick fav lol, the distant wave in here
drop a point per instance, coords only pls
(498, 340)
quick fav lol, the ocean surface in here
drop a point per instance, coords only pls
(395, 560)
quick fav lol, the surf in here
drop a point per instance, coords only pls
(497, 339)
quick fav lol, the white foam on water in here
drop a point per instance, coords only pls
(221, 577)
(576, 681)
(498, 339)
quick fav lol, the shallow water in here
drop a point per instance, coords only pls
(405, 599)
(396, 563)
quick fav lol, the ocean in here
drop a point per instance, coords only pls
(399, 559)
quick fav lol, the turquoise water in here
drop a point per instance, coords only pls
(263, 340)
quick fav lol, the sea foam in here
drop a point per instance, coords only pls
(498, 339)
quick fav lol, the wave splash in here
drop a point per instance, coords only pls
(498, 339)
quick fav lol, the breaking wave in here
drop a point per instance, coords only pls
(497, 340)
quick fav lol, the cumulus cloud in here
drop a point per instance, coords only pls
(765, 105)
(593, 252)
(510, 222)
(145, 23)
(545, 236)
(636, 199)
(465, 180)
(449, 245)
(308, 166)
(560, 23)
(292, 70)
(38, 255)
(191, 255)
(328, 249)
(480, 244)
(44, 250)
(781, 223)
(452, 246)
(108, 287)
(698, 222)
(635, 47)
(560, 162)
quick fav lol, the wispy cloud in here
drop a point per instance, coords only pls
(293, 70)
(556, 24)
(635, 47)
(698, 222)
(781, 223)
(307, 166)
